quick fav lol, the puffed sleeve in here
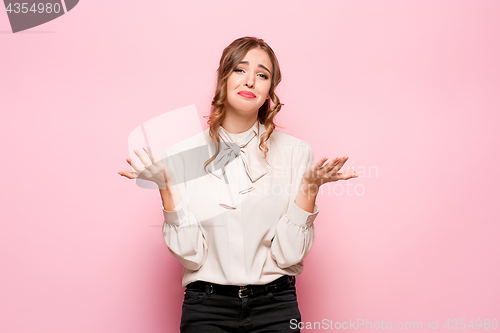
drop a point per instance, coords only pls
(295, 230)
(181, 231)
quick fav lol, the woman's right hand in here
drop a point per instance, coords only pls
(151, 170)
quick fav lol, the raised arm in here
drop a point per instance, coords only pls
(295, 230)
(181, 230)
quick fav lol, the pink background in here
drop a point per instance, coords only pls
(408, 89)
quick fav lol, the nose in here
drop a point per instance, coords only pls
(250, 81)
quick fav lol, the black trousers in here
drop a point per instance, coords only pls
(213, 313)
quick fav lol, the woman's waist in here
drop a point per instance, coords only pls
(224, 275)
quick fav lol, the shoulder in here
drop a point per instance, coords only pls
(282, 140)
(288, 149)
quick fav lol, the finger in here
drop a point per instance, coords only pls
(330, 165)
(339, 165)
(325, 169)
(319, 164)
(134, 165)
(150, 154)
(347, 175)
(142, 158)
(130, 174)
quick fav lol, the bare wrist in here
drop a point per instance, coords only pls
(308, 188)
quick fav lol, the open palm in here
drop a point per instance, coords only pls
(320, 173)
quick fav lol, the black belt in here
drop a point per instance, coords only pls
(243, 291)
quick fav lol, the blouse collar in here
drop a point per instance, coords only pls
(241, 163)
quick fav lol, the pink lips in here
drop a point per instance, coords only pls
(246, 94)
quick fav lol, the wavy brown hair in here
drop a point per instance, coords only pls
(231, 57)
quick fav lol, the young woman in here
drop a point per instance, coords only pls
(243, 228)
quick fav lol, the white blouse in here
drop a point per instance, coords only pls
(239, 224)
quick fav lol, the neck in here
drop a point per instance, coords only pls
(235, 124)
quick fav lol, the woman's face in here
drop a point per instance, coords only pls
(249, 84)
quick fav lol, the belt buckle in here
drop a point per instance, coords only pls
(243, 289)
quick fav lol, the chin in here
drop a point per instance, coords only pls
(244, 112)
(245, 109)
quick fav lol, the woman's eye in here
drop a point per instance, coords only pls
(240, 70)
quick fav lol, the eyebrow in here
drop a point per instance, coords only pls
(260, 65)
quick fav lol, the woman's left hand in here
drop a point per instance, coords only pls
(319, 174)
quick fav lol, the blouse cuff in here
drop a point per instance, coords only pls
(302, 218)
(179, 216)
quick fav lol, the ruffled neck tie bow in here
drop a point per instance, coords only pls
(241, 165)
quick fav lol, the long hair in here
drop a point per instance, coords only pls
(231, 57)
